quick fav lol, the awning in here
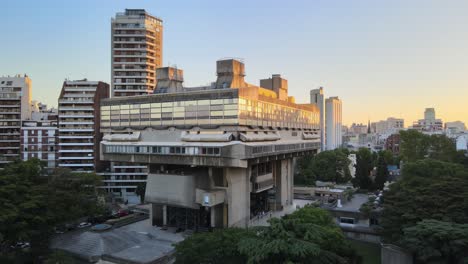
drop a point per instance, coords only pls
(135, 136)
(261, 136)
(192, 137)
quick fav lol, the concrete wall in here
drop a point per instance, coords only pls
(238, 197)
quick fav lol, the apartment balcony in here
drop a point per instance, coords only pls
(77, 116)
(76, 158)
(68, 101)
(133, 70)
(71, 165)
(76, 144)
(129, 181)
(76, 123)
(75, 108)
(10, 140)
(80, 89)
(75, 137)
(76, 130)
(76, 151)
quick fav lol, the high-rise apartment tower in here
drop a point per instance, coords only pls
(317, 97)
(136, 52)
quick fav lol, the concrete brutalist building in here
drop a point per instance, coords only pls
(217, 155)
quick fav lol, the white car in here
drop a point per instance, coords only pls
(84, 224)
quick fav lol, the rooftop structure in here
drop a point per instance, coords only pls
(217, 156)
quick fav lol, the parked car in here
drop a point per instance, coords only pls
(84, 224)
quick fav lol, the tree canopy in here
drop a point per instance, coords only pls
(437, 241)
(416, 146)
(332, 165)
(428, 189)
(308, 235)
(364, 166)
(32, 205)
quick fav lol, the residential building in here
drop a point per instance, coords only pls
(455, 127)
(333, 117)
(137, 40)
(15, 104)
(390, 125)
(357, 129)
(219, 155)
(430, 123)
(392, 143)
(79, 125)
(39, 140)
(317, 97)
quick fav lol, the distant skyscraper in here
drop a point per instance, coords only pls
(333, 115)
(15, 104)
(429, 114)
(317, 97)
(136, 52)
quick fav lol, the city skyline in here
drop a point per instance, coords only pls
(412, 53)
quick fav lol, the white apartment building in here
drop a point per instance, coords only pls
(136, 52)
(389, 126)
(333, 117)
(15, 102)
(317, 97)
(78, 124)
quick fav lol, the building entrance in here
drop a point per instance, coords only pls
(189, 219)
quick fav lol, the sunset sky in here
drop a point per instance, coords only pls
(382, 58)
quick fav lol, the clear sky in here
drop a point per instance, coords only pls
(383, 58)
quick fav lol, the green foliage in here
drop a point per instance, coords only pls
(33, 204)
(437, 242)
(428, 189)
(416, 146)
(330, 166)
(308, 235)
(382, 171)
(364, 166)
(219, 246)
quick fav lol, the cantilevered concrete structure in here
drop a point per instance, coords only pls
(218, 155)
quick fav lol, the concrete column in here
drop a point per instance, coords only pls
(212, 216)
(238, 197)
(164, 217)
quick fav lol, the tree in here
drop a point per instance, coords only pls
(416, 146)
(363, 169)
(219, 246)
(140, 191)
(428, 189)
(32, 205)
(332, 165)
(309, 235)
(382, 172)
(435, 241)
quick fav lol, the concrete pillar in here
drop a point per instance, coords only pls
(164, 216)
(212, 216)
(238, 196)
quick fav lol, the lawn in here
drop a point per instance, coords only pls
(369, 252)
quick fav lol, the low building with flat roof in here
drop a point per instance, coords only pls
(217, 155)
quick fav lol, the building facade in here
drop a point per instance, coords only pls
(430, 123)
(15, 103)
(317, 97)
(39, 140)
(219, 155)
(136, 52)
(333, 125)
(392, 143)
(388, 126)
(79, 125)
